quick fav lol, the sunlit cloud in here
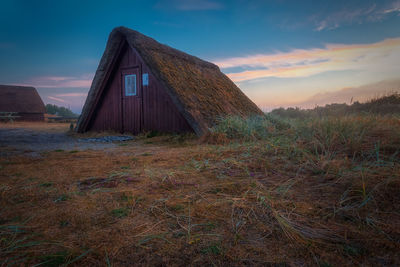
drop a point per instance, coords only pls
(66, 91)
(72, 95)
(55, 78)
(57, 99)
(73, 100)
(83, 81)
(317, 90)
(374, 58)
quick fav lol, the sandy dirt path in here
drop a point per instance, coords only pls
(32, 138)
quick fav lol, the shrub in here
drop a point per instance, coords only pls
(353, 136)
(252, 128)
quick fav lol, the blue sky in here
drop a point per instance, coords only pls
(280, 53)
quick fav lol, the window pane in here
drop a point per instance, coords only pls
(145, 79)
(130, 84)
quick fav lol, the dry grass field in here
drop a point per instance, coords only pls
(261, 192)
(37, 126)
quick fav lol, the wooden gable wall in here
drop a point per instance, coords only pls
(152, 107)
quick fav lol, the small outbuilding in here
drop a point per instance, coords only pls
(142, 85)
(21, 103)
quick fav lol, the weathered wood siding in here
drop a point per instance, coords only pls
(132, 120)
(150, 109)
(107, 113)
(30, 117)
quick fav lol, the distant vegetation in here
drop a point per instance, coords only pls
(380, 106)
(60, 111)
(337, 121)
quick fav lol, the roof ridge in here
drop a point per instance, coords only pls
(139, 39)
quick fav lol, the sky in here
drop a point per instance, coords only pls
(279, 52)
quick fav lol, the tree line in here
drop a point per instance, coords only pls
(60, 111)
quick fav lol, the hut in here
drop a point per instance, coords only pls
(21, 103)
(142, 85)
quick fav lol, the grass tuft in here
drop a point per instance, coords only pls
(120, 212)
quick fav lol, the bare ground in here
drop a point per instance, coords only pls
(31, 139)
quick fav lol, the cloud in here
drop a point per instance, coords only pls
(60, 81)
(346, 95)
(57, 99)
(308, 93)
(190, 5)
(65, 91)
(72, 95)
(394, 7)
(375, 58)
(74, 100)
(357, 15)
(346, 16)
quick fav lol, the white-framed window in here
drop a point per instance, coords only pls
(130, 84)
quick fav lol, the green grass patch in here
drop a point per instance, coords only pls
(61, 198)
(152, 134)
(123, 144)
(120, 212)
(46, 184)
(57, 259)
(152, 237)
(64, 223)
(214, 249)
(177, 207)
(126, 198)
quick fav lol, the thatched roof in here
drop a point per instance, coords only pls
(201, 92)
(20, 99)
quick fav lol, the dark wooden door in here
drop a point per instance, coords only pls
(132, 101)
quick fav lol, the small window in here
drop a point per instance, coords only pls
(130, 84)
(145, 79)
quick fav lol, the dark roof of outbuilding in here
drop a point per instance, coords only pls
(201, 92)
(20, 99)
